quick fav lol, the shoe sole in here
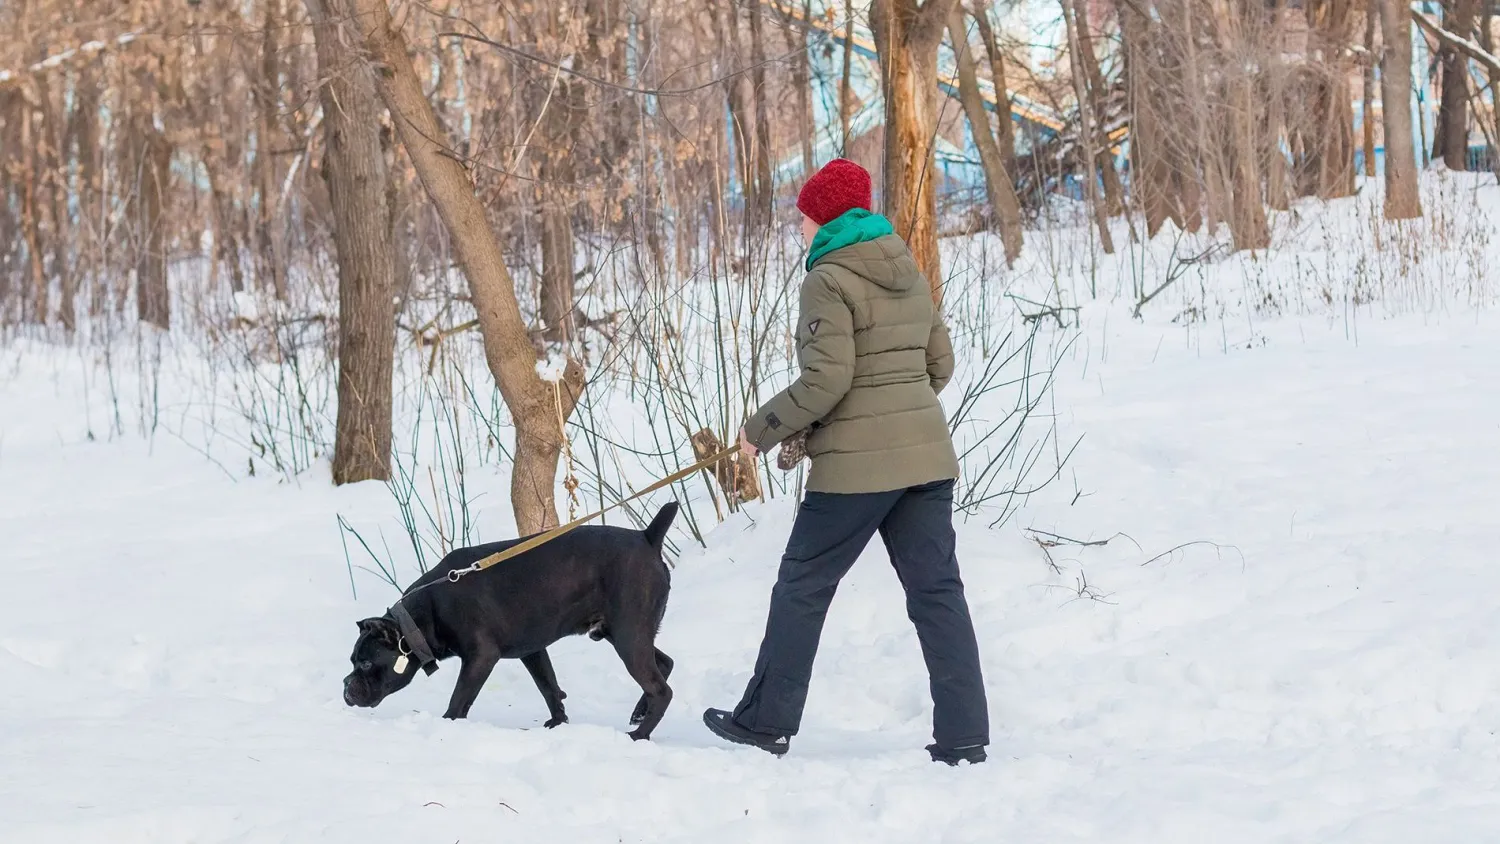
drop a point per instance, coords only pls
(954, 762)
(777, 750)
(953, 758)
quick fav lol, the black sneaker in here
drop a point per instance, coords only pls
(973, 754)
(722, 724)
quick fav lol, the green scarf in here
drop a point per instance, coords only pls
(853, 226)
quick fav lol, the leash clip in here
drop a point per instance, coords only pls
(456, 575)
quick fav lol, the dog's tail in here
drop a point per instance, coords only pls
(657, 530)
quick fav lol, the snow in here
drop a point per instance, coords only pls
(552, 367)
(1290, 635)
(245, 306)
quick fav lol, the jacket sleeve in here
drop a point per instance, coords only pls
(939, 353)
(825, 336)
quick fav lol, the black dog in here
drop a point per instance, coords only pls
(608, 582)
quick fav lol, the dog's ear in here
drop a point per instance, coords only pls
(381, 628)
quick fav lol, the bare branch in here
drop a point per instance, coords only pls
(1215, 545)
(627, 89)
(1463, 45)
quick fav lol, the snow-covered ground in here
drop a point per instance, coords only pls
(1317, 660)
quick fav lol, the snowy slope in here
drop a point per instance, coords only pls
(172, 641)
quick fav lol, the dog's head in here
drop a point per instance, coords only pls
(383, 664)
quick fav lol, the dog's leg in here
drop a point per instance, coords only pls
(640, 660)
(540, 666)
(471, 677)
(664, 665)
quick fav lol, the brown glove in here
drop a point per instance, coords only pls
(792, 451)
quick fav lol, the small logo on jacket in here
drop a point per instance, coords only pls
(812, 327)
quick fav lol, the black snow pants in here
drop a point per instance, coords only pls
(830, 532)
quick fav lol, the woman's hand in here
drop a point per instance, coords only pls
(747, 448)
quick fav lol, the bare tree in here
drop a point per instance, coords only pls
(354, 166)
(763, 151)
(1452, 136)
(1006, 128)
(741, 117)
(268, 96)
(1114, 190)
(998, 181)
(1086, 137)
(1487, 40)
(846, 93)
(152, 160)
(1152, 175)
(539, 408)
(1402, 201)
(907, 36)
(1367, 115)
(802, 82)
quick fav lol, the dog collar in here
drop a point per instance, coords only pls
(414, 638)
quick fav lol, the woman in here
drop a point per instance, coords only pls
(874, 354)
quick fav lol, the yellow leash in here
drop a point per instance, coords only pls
(543, 538)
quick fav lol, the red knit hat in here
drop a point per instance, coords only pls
(839, 186)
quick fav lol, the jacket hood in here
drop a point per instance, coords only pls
(884, 261)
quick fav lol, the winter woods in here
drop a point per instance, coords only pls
(403, 174)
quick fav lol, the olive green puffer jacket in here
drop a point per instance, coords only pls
(874, 354)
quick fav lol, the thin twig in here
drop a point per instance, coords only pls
(1215, 545)
(604, 83)
(1053, 540)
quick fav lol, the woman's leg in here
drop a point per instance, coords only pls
(918, 534)
(829, 534)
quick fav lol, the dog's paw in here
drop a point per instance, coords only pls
(637, 735)
(553, 722)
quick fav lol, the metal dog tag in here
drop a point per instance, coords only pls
(401, 662)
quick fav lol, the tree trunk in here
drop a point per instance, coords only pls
(1248, 225)
(559, 108)
(1453, 110)
(1487, 40)
(764, 188)
(1271, 94)
(846, 94)
(1402, 200)
(90, 154)
(226, 242)
(354, 166)
(54, 118)
(557, 293)
(268, 243)
(739, 111)
(907, 37)
(1086, 127)
(153, 168)
(1005, 120)
(1336, 164)
(1150, 173)
(1369, 93)
(802, 81)
(1331, 129)
(1114, 191)
(1001, 188)
(537, 407)
(37, 301)
(1201, 157)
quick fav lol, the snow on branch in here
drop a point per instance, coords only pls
(1463, 45)
(89, 49)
